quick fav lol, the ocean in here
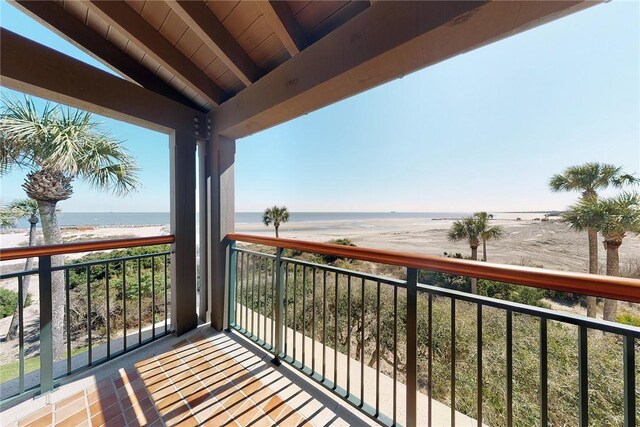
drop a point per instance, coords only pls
(72, 219)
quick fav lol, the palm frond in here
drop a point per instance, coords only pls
(23, 207)
(559, 183)
(67, 141)
(275, 215)
(493, 233)
(17, 209)
(106, 165)
(465, 229)
(590, 177)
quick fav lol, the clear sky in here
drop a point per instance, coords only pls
(482, 131)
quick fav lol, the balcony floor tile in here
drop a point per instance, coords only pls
(208, 378)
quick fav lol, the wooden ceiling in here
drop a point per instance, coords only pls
(248, 65)
(207, 52)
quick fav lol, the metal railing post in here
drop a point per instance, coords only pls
(232, 256)
(629, 382)
(279, 306)
(46, 324)
(412, 346)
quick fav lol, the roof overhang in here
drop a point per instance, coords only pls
(253, 65)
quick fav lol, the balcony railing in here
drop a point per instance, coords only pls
(327, 322)
(90, 285)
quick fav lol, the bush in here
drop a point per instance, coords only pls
(291, 253)
(138, 285)
(330, 259)
(514, 293)
(8, 302)
(628, 319)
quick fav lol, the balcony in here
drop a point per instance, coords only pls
(361, 347)
(312, 344)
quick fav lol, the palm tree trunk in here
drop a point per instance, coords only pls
(28, 265)
(276, 232)
(592, 303)
(484, 249)
(613, 269)
(52, 235)
(474, 281)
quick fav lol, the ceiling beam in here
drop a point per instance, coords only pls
(58, 20)
(206, 25)
(35, 69)
(384, 42)
(284, 24)
(123, 18)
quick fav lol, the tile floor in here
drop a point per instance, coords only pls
(210, 379)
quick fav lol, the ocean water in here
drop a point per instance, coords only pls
(104, 219)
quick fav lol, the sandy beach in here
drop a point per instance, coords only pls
(529, 241)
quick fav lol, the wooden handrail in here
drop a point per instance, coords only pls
(619, 288)
(93, 245)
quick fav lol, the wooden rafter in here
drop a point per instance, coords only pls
(284, 24)
(32, 68)
(123, 18)
(76, 32)
(205, 24)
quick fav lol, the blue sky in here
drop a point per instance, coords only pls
(482, 131)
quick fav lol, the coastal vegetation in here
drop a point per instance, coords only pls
(9, 216)
(475, 229)
(614, 217)
(605, 350)
(9, 301)
(58, 145)
(588, 179)
(143, 279)
(275, 215)
(487, 232)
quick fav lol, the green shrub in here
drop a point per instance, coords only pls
(291, 253)
(8, 301)
(140, 282)
(514, 293)
(330, 259)
(628, 319)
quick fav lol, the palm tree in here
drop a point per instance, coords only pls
(469, 229)
(494, 232)
(11, 213)
(276, 216)
(614, 217)
(588, 179)
(58, 145)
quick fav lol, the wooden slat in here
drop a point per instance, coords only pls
(338, 18)
(90, 246)
(316, 12)
(386, 41)
(32, 68)
(222, 9)
(204, 23)
(122, 17)
(587, 284)
(284, 24)
(76, 32)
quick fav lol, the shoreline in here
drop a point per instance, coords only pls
(548, 244)
(356, 216)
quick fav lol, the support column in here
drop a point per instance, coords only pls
(220, 211)
(204, 172)
(182, 149)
